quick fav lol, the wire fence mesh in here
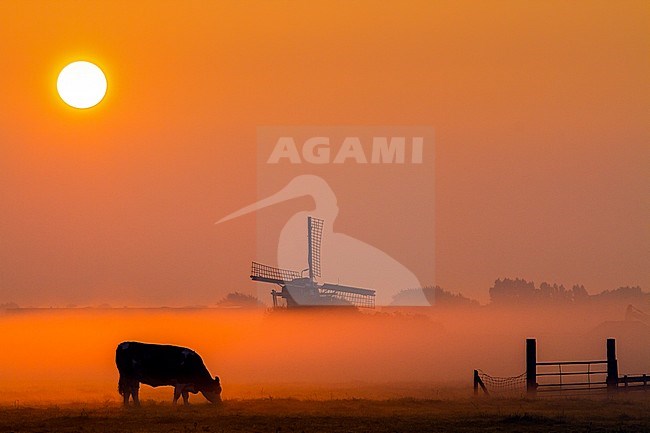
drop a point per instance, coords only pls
(514, 386)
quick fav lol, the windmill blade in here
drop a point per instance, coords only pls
(364, 298)
(270, 274)
(315, 236)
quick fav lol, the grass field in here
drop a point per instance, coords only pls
(621, 414)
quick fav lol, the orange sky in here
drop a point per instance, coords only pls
(540, 111)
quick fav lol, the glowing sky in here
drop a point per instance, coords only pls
(540, 111)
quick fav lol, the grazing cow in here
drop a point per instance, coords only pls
(158, 365)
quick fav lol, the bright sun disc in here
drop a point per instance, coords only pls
(81, 84)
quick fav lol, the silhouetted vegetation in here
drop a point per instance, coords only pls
(509, 291)
(240, 300)
(521, 292)
(436, 296)
(622, 294)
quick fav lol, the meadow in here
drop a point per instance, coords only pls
(385, 371)
(626, 414)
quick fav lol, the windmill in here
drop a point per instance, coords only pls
(345, 256)
(300, 291)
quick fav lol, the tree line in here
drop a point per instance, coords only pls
(520, 292)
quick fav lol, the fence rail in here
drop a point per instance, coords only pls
(572, 362)
(570, 379)
(556, 381)
(634, 382)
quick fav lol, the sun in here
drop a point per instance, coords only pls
(81, 84)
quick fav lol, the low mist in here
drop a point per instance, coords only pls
(68, 355)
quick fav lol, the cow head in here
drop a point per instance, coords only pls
(213, 391)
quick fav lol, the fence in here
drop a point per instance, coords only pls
(561, 376)
(578, 380)
(499, 386)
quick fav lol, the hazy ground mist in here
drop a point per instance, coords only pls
(68, 355)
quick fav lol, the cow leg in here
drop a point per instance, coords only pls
(124, 388)
(186, 398)
(177, 393)
(134, 393)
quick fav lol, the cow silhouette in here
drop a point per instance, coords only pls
(160, 365)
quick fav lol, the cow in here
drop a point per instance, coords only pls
(159, 365)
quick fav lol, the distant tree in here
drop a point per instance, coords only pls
(439, 297)
(406, 297)
(509, 291)
(522, 292)
(436, 296)
(554, 294)
(627, 294)
(579, 293)
(241, 300)
(9, 306)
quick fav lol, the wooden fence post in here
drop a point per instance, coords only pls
(612, 365)
(478, 382)
(531, 367)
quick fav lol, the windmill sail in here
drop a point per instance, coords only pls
(270, 274)
(364, 298)
(315, 236)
